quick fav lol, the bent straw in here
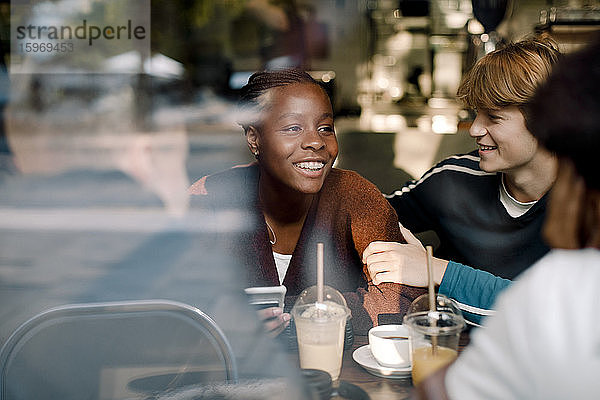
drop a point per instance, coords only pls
(431, 291)
(319, 272)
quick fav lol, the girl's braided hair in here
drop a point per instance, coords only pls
(254, 95)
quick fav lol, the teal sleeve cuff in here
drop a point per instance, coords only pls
(474, 290)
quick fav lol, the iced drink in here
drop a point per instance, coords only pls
(425, 362)
(320, 328)
(433, 335)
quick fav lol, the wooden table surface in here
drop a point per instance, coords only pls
(376, 387)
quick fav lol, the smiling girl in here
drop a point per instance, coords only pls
(299, 199)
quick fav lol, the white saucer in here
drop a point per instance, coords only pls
(363, 356)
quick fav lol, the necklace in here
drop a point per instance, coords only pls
(272, 232)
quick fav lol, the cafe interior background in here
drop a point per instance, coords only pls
(391, 67)
(94, 166)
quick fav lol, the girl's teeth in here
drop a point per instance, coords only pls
(312, 165)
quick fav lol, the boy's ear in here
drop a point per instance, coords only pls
(252, 139)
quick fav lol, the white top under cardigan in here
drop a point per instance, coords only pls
(282, 262)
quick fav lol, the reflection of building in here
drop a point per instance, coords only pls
(61, 122)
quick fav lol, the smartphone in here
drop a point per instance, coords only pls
(266, 296)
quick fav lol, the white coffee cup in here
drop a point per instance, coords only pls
(389, 345)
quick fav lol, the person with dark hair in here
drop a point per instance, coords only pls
(486, 207)
(543, 341)
(299, 199)
(282, 33)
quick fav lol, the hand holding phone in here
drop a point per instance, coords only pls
(269, 301)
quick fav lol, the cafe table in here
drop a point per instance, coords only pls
(376, 387)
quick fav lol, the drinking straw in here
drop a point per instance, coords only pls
(319, 272)
(431, 290)
(430, 284)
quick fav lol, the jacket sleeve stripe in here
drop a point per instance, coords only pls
(437, 170)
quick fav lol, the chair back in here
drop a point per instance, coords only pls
(114, 350)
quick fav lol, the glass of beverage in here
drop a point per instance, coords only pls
(433, 335)
(320, 327)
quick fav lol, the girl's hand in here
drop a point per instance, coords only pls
(274, 320)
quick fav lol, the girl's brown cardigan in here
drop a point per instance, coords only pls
(348, 214)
